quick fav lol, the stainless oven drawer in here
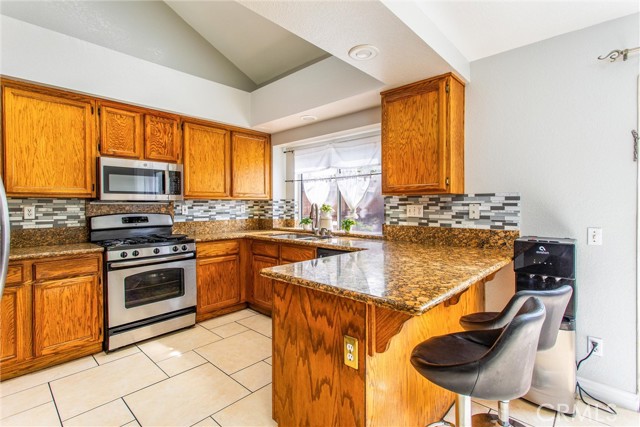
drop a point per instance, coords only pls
(145, 291)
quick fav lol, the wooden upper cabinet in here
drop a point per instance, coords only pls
(207, 161)
(49, 142)
(161, 138)
(251, 166)
(423, 137)
(121, 131)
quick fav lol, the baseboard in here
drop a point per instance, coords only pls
(610, 394)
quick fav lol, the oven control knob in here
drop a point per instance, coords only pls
(174, 249)
(156, 251)
(184, 247)
(135, 253)
(123, 254)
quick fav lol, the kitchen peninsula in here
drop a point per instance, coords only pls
(387, 298)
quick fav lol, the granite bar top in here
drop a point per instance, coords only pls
(402, 276)
(18, 254)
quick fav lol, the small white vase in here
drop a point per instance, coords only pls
(326, 221)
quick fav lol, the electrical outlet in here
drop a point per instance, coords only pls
(29, 212)
(598, 343)
(184, 209)
(243, 209)
(474, 211)
(350, 351)
(415, 211)
(594, 236)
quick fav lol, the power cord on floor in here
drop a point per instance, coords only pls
(607, 408)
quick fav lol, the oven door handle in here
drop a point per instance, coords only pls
(127, 264)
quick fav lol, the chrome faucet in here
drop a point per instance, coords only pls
(313, 215)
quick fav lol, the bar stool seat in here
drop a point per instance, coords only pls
(488, 364)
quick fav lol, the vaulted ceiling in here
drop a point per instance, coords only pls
(292, 56)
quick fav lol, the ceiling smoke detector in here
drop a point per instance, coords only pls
(308, 118)
(363, 52)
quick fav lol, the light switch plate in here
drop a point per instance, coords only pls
(415, 211)
(29, 212)
(594, 236)
(474, 211)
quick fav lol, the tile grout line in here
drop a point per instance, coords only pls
(130, 410)
(250, 394)
(55, 405)
(30, 409)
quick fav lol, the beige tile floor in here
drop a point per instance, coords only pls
(217, 373)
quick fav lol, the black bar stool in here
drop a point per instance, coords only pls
(555, 302)
(494, 364)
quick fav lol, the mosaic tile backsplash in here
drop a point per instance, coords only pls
(498, 211)
(49, 213)
(220, 210)
(59, 213)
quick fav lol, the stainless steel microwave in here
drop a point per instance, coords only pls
(138, 180)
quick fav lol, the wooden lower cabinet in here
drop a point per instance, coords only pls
(265, 255)
(15, 325)
(219, 272)
(66, 314)
(51, 312)
(262, 289)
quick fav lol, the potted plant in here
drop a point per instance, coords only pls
(347, 223)
(306, 223)
(325, 217)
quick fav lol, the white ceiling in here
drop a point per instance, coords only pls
(263, 50)
(269, 47)
(483, 28)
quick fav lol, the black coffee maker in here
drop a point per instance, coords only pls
(545, 263)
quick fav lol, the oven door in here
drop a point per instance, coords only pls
(141, 291)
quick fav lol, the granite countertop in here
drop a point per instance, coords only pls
(17, 254)
(402, 276)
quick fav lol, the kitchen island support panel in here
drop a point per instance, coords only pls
(313, 386)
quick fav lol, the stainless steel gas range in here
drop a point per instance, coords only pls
(150, 277)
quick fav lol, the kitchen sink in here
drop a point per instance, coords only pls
(295, 236)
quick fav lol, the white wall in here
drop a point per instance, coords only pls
(33, 53)
(551, 121)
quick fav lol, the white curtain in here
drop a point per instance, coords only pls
(353, 158)
(354, 188)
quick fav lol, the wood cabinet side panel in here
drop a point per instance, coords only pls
(456, 135)
(262, 287)
(392, 378)
(312, 385)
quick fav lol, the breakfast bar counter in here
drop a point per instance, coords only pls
(344, 327)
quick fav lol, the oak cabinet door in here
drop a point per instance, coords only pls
(49, 143)
(67, 313)
(423, 138)
(218, 283)
(262, 292)
(207, 161)
(121, 132)
(250, 166)
(161, 138)
(15, 322)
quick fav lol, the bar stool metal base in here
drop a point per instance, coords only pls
(492, 420)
